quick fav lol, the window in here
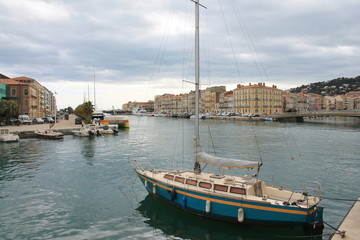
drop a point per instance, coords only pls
(191, 182)
(179, 179)
(205, 185)
(26, 91)
(220, 188)
(237, 190)
(13, 92)
(168, 176)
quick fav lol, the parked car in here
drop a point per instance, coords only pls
(48, 120)
(24, 119)
(78, 120)
(38, 121)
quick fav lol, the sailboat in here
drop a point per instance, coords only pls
(242, 200)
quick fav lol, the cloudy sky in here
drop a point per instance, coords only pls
(138, 49)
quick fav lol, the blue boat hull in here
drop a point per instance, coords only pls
(227, 209)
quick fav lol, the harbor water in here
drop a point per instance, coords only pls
(85, 188)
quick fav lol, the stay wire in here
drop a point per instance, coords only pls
(231, 45)
(257, 144)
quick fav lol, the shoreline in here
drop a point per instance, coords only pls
(28, 131)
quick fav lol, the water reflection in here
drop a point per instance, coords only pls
(173, 221)
(19, 160)
(88, 148)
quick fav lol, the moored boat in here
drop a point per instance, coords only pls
(231, 198)
(6, 136)
(49, 134)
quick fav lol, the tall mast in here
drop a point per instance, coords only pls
(94, 90)
(197, 73)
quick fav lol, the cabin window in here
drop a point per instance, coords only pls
(205, 185)
(191, 182)
(220, 188)
(237, 190)
(179, 179)
(168, 176)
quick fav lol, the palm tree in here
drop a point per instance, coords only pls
(85, 111)
(8, 110)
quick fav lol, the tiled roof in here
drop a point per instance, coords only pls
(11, 81)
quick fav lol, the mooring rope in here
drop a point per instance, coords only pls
(337, 231)
(341, 199)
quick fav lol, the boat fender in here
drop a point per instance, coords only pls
(173, 194)
(208, 206)
(146, 184)
(241, 215)
(183, 201)
(154, 189)
(98, 133)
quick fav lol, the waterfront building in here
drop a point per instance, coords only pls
(353, 99)
(149, 105)
(32, 98)
(211, 97)
(2, 91)
(329, 103)
(226, 102)
(257, 99)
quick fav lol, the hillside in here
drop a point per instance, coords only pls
(333, 87)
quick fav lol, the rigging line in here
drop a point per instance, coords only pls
(337, 231)
(232, 49)
(161, 51)
(247, 35)
(257, 143)
(212, 141)
(207, 48)
(341, 199)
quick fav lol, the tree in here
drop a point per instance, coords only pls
(85, 111)
(8, 110)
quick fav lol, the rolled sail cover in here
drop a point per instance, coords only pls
(226, 163)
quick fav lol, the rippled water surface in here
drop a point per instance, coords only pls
(80, 188)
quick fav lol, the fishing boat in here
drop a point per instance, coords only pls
(49, 134)
(6, 136)
(239, 199)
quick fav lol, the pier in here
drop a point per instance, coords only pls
(299, 116)
(350, 226)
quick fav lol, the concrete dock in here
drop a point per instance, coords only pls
(350, 224)
(28, 131)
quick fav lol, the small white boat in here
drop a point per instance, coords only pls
(5, 136)
(109, 129)
(49, 134)
(87, 131)
(139, 111)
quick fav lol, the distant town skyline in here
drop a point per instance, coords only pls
(136, 50)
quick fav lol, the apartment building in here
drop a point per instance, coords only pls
(32, 98)
(149, 105)
(257, 99)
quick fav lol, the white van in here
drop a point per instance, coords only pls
(24, 119)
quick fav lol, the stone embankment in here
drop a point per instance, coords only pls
(28, 131)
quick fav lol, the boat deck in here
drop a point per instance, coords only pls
(235, 187)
